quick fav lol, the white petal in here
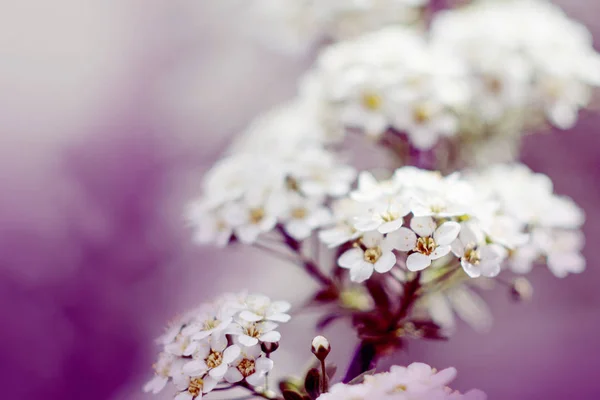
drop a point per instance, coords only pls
(272, 336)
(366, 224)
(403, 239)
(281, 317)
(391, 226)
(210, 383)
(458, 248)
(233, 375)
(219, 371)
(247, 340)
(417, 262)
(471, 308)
(446, 233)
(490, 268)
(250, 316)
(472, 270)
(440, 252)
(231, 353)
(361, 272)
(299, 230)
(440, 310)
(194, 368)
(423, 226)
(256, 379)
(184, 396)
(385, 262)
(372, 239)
(351, 258)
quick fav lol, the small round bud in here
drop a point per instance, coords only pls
(521, 289)
(269, 347)
(321, 347)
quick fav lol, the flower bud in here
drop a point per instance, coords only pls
(521, 289)
(269, 347)
(321, 347)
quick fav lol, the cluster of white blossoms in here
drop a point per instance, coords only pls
(471, 75)
(420, 216)
(219, 342)
(391, 78)
(547, 66)
(271, 179)
(550, 225)
(295, 25)
(418, 381)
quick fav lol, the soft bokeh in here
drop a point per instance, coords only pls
(110, 113)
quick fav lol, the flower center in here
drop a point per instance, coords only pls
(252, 331)
(291, 183)
(425, 245)
(257, 215)
(299, 213)
(210, 324)
(493, 84)
(421, 114)
(400, 388)
(195, 387)
(472, 255)
(372, 254)
(214, 359)
(246, 367)
(389, 216)
(371, 101)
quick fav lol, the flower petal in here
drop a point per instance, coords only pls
(270, 337)
(233, 375)
(385, 262)
(195, 367)
(440, 252)
(361, 272)
(247, 340)
(351, 258)
(403, 239)
(263, 364)
(250, 316)
(423, 226)
(446, 233)
(231, 353)
(417, 262)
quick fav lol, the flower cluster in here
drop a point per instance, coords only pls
(473, 77)
(416, 382)
(537, 224)
(546, 67)
(391, 78)
(441, 214)
(294, 25)
(270, 179)
(219, 342)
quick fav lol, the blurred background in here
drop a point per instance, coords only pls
(110, 112)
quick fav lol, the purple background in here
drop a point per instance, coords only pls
(110, 112)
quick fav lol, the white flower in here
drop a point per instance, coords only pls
(249, 365)
(212, 356)
(418, 381)
(258, 308)
(562, 249)
(210, 225)
(210, 318)
(374, 252)
(302, 216)
(344, 211)
(251, 333)
(162, 370)
(369, 189)
(476, 257)
(256, 213)
(432, 242)
(385, 215)
(192, 387)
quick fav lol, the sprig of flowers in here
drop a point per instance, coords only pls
(418, 381)
(268, 180)
(228, 340)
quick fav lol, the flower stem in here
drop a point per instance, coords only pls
(364, 359)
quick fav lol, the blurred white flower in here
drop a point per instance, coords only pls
(418, 381)
(476, 256)
(546, 67)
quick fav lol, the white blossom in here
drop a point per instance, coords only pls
(418, 381)
(373, 253)
(249, 365)
(476, 256)
(426, 240)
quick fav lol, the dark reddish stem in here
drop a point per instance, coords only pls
(309, 265)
